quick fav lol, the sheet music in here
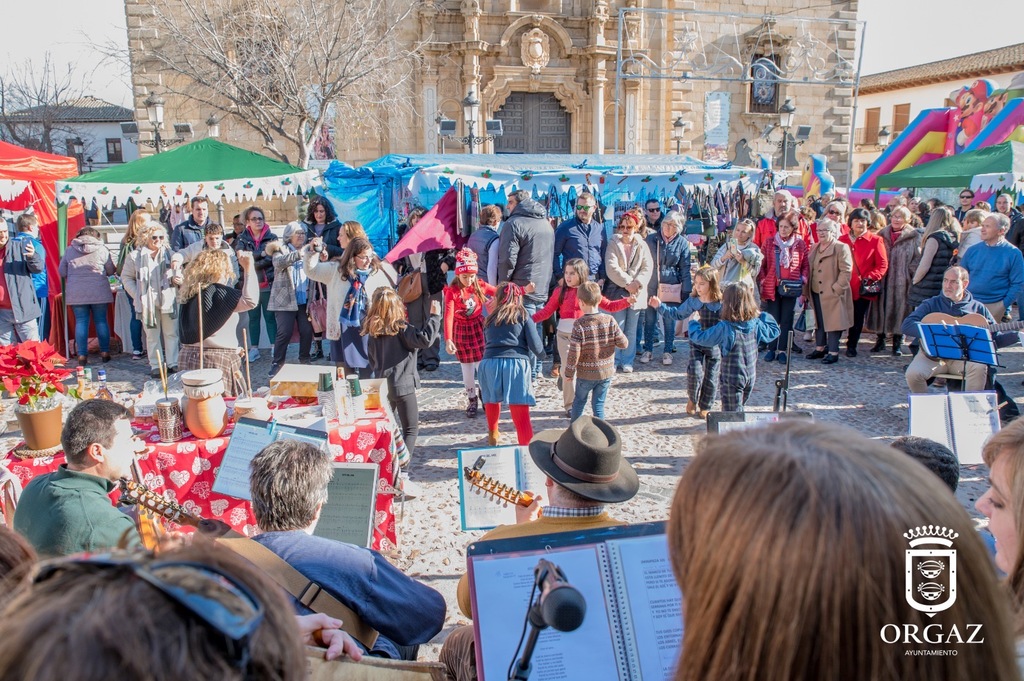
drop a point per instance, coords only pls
(351, 500)
(248, 438)
(482, 511)
(929, 418)
(975, 418)
(502, 586)
(654, 602)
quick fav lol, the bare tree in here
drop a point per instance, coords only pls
(33, 103)
(286, 67)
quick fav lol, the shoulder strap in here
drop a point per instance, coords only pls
(308, 592)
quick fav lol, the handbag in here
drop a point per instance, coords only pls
(868, 287)
(316, 308)
(667, 293)
(787, 288)
(410, 286)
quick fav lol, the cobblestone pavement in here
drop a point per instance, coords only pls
(866, 393)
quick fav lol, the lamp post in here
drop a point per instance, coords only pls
(786, 113)
(154, 104)
(443, 123)
(883, 137)
(471, 114)
(78, 148)
(678, 128)
(212, 127)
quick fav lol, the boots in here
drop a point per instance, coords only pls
(897, 341)
(691, 408)
(472, 405)
(317, 351)
(493, 437)
(879, 345)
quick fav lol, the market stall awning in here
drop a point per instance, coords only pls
(206, 167)
(989, 169)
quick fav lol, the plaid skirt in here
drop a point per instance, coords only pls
(468, 338)
(228, 361)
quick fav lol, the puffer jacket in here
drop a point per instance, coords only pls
(263, 263)
(673, 265)
(525, 246)
(86, 266)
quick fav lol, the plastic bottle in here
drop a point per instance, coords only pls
(325, 396)
(88, 392)
(344, 396)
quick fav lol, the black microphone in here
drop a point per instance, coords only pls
(562, 606)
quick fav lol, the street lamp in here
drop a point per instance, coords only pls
(154, 104)
(883, 137)
(471, 113)
(678, 128)
(78, 148)
(786, 113)
(212, 127)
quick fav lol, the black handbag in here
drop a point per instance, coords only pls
(868, 287)
(790, 288)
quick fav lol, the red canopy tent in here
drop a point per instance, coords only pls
(27, 180)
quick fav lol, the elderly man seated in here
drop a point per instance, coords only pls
(955, 301)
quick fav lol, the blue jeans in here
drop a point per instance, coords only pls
(668, 327)
(599, 389)
(12, 332)
(628, 320)
(136, 328)
(99, 318)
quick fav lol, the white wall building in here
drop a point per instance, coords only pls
(893, 99)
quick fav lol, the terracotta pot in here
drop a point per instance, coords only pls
(206, 414)
(41, 429)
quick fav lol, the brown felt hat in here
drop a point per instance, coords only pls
(586, 458)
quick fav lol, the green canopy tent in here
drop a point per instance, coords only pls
(986, 170)
(207, 167)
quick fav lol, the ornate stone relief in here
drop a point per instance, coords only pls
(535, 50)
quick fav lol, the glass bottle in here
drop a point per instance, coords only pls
(102, 391)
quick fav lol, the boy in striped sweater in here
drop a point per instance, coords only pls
(591, 356)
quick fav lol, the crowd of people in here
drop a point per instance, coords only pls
(748, 511)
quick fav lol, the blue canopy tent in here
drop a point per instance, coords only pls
(379, 194)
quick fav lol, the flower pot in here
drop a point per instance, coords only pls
(40, 429)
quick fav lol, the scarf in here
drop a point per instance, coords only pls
(354, 308)
(785, 249)
(152, 273)
(300, 281)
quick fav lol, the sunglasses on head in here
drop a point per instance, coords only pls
(189, 586)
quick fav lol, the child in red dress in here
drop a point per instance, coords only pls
(464, 301)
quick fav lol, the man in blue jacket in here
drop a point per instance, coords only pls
(955, 301)
(996, 267)
(28, 230)
(288, 482)
(19, 308)
(582, 236)
(191, 231)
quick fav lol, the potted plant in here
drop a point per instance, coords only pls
(34, 372)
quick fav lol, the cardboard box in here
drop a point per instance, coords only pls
(298, 380)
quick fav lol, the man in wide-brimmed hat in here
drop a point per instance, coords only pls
(585, 471)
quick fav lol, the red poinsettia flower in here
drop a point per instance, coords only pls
(32, 370)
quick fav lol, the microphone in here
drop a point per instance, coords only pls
(562, 606)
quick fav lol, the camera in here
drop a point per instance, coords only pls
(318, 246)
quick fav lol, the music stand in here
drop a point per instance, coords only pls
(959, 342)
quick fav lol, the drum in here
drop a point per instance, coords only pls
(206, 414)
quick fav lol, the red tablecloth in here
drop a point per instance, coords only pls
(185, 470)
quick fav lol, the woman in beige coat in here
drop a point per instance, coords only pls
(629, 266)
(829, 289)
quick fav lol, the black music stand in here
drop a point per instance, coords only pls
(959, 342)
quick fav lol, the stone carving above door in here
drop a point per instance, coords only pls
(535, 50)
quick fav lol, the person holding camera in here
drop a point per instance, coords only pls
(739, 260)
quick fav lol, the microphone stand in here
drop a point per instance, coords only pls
(523, 666)
(782, 384)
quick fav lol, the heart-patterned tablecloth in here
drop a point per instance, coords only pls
(184, 471)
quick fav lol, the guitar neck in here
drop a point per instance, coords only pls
(137, 494)
(1008, 326)
(495, 488)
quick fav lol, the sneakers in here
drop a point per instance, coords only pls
(472, 407)
(254, 354)
(645, 357)
(781, 358)
(666, 360)
(769, 356)
(136, 355)
(627, 369)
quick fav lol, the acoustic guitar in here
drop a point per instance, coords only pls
(498, 491)
(152, 509)
(972, 319)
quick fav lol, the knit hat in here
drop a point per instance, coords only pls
(465, 262)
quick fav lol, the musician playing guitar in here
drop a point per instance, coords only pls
(955, 301)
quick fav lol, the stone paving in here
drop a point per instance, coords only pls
(866, 393)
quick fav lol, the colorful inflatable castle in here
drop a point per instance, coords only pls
(983, 115)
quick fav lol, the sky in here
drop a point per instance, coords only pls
(898, 33)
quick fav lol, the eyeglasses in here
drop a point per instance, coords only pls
(966, 196)
(833, 212)
(255, 219)
(188, 585)
(654, 210)
(584, 206)
(157, 237)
